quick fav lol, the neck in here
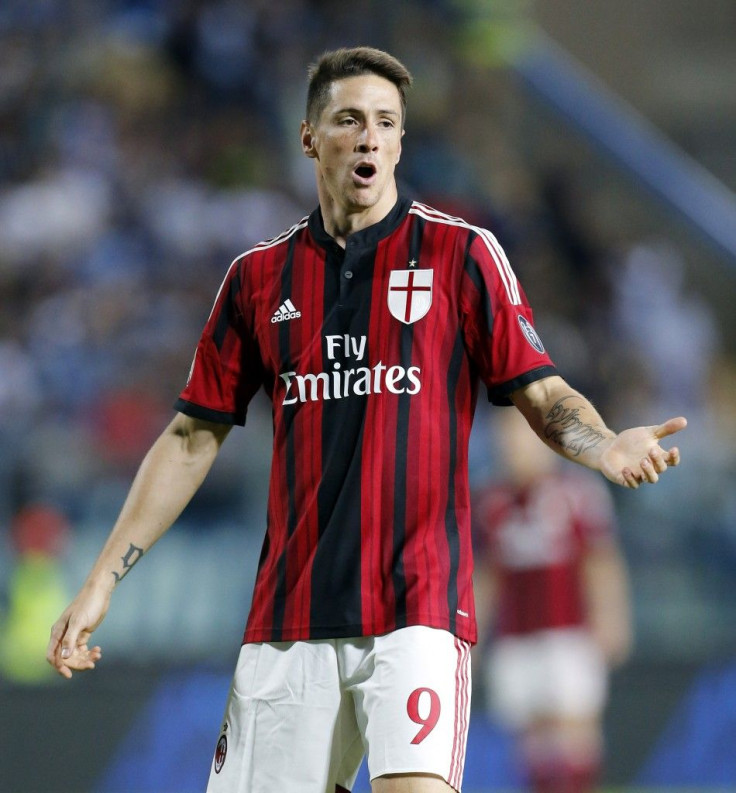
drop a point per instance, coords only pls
(341, 221)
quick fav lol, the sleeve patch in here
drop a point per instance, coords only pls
(530, 334)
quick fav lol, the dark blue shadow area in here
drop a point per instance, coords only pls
(171, 744)
(698, 747)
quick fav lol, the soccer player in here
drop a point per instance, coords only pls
(552, 594)
(370, 324)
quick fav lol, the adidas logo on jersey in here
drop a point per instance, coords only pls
(287, 310)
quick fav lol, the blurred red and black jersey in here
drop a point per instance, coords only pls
(536, 538)
(372, 356)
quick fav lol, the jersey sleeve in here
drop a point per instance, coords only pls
(498, 322)
(227, 370)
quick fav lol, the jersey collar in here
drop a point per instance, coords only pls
(367, 237)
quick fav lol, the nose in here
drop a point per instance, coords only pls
(368, 139)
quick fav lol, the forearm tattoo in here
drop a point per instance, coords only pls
(564, 427)
(132, 555)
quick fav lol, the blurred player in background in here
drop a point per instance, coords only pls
(552, 596)
(370, 324)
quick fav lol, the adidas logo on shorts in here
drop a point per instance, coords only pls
(287, 310)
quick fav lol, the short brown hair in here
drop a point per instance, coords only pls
(340, 64)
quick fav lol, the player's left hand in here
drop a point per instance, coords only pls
(635, 457)
(68, 649)
(79, 657)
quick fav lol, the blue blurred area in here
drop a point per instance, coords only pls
(696, 748)
(171, 743)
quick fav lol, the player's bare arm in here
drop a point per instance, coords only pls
(566, 426)
(607, 600)
(169, 476)
(569, 424)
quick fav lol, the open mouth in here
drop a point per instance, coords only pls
(365, 171)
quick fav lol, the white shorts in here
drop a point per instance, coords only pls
(301, 715)
(551, 673)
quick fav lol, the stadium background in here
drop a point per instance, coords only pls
(144, 144)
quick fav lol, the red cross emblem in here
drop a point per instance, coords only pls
(409, 294)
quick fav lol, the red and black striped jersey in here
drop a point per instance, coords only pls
(372, 356)
(535, 538)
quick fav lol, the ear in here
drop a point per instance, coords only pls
(308, 140)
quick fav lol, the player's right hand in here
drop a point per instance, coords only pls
(68, 649)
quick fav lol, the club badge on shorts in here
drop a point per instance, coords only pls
(409, 294)
(221, 751)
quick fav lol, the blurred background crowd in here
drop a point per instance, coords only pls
(146, 143)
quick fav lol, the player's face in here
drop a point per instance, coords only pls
(356, 144)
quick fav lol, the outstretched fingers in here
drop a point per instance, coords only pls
(659, 459)
(629, 479)
(653, 466)
(635, 456)
(672, 457)
(670, 427)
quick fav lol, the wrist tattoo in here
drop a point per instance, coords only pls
(132, 555)
(565, 428)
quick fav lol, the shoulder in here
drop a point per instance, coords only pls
(254, 264)
(435, 216)
(477, 245)
(273, 244)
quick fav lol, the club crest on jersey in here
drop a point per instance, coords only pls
(530, 334)
(409, 294)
